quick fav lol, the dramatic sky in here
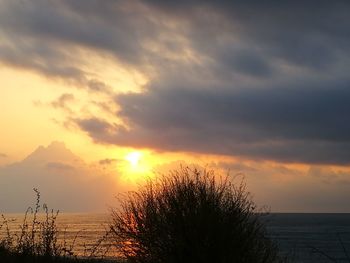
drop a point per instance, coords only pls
(257, 88)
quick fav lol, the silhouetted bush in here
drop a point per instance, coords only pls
(38, 240)
(191, 216)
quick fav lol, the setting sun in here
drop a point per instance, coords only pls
(137, 166)
(133, 158)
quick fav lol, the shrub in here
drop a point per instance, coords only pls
(37, 238)
(190, 216)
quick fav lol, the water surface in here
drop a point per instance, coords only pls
(304, 238)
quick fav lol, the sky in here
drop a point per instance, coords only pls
(259, 89)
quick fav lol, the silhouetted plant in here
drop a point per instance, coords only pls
(36, 238)
(191, 216)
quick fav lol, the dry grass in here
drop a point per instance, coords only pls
(38, 239)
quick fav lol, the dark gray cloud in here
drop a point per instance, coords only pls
(284, 124)
(238, 37)
(95, 126)
(303, 33)
(46, 36)
(246, 62)
(257, 79)
(311, 34)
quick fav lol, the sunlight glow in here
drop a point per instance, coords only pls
(137, 167)
(133, 158)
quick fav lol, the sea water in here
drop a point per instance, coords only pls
(312, 237)
(303, 238)
(82, 233)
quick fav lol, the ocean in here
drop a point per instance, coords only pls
(80, 232)
(303, 238)
(307, 238)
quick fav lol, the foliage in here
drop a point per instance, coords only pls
(38, 239)
(191, 216)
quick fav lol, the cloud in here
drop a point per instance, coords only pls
(49, 37)
(290, 188)
(94, 126)
(245, 78)
(112, 28)
(58, 166)
(63, 101)
(311, 34)
(282, 187)
(2, 155)
(290, 124)
(237, 36)
(108, 161)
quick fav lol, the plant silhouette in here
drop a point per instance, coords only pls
(191, 216)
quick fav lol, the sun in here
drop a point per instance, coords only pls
(133, 158)
(137, 166)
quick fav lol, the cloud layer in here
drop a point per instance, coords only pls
(245, 78)
(289, 124)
